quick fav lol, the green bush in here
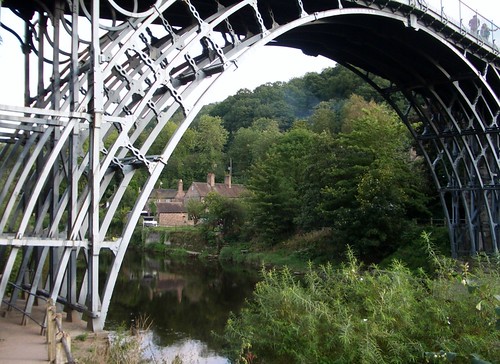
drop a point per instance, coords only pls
(357, 315)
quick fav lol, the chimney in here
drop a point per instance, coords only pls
(179, 196)
(227, 180)
(211, 179)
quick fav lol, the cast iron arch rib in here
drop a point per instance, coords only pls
(75, 147)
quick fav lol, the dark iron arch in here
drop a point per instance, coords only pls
(73, 151)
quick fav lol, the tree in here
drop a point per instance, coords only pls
(266, 101)
(375, 188)
(339, 83)
(274, 185)
(208, 145)
(326, 117)
(201, 150)
(195, 209)
(251, 144)
(222, 219)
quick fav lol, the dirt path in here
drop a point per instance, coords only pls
(21, 344)
(25, 344)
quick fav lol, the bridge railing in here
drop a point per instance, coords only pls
(477, 25)
(464, 17)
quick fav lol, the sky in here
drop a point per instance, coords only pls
(267, 64)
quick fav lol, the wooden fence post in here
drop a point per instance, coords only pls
(61, 356)
(58, 341)
(51, 330)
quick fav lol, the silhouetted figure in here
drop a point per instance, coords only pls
(485, 32)
(474, 24)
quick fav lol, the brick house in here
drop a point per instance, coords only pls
(171, 204)
(172, 214)
(168, 209)
(200, 190)
(159, 195)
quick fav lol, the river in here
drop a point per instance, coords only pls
(185, 300)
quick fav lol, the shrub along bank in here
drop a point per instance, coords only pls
(355, 314)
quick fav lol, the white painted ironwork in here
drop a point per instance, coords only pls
(69, 156)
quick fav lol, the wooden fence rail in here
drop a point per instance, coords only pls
(59, 342)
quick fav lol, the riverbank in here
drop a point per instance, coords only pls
(183, 278)
(297, 253)
(186, 244)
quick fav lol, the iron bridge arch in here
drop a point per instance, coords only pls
(103, 77)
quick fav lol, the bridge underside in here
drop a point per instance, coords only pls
(104, 77)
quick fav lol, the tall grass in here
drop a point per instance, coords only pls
(357, 314)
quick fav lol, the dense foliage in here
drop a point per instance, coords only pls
(364, 182)
(358, 315)
(201, 150)
(275, 183)
(322, 156)
(222, 218)
(287, 102)
(318, 153)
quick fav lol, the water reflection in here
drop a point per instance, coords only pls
(191, 351)
(186, 301)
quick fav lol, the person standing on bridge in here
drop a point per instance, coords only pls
(474, 24)
(485, 32)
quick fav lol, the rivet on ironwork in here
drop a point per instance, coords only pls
(423, 5)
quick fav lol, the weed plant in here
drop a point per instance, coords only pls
(125, 345)
(357, 314)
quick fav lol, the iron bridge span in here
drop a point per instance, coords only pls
(103, 77)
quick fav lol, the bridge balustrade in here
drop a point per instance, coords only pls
(458, 14)
(468, 19)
